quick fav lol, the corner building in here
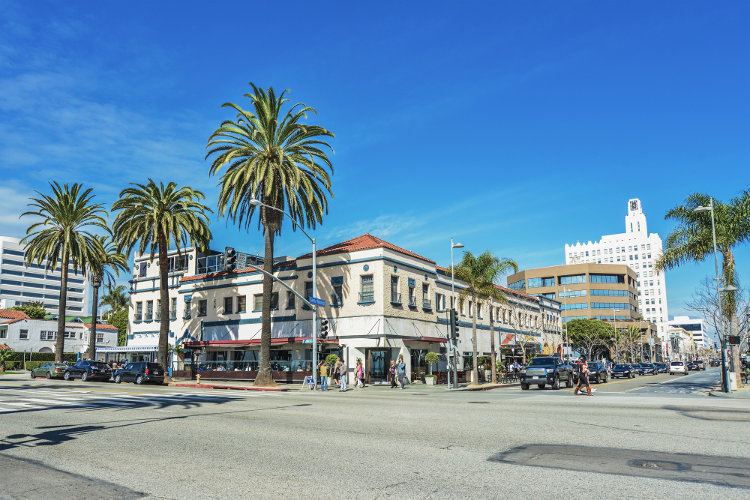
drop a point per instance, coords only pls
(382, 302)
(639, 250)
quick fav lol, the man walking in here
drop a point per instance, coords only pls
(583, 377)
(342, 376)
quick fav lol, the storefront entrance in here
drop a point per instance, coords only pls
(378, 362)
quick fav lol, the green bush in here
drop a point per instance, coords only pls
(331, 359)
(40, 356)
(31, 365)
(430, 376)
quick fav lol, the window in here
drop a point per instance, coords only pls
(4, 333)
(517, 285)
(48, 335)
(241, 304)
(202, 307)
(258, 301)
(308, 293)
(607, 278)
(138, 311)
(412, 293)
(291, 300)
(178, 263)
(173, 308)
(367, 292)
(572, 279)
(149, 310)
(337, 288)
(440, 301)
(426, 302)
(158, 309)
(23, 334)
(572, 293)
(100, 337)
(228, 303)
(142, 269)
(188, 303)
(70, 335)
(395, 296)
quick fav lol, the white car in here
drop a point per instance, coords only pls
(677, 367)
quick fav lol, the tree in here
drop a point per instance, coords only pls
(63, 233)
(271, 157)
(108, 260)
(706, 303)
(431, 358)
(519, 317)
(587, 334)
(34, 310)
(480, 274)
(119, 320)
(692, 240)
(153, 216)
(5, 353)
(115, 298)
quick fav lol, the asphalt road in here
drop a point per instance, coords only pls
(129, 441)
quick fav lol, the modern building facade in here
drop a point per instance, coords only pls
(696, 327)
(23, 334)
(639, 250)
(21, 284)
(600, 291)
(382, 302)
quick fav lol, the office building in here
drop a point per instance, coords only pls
(21, 284)
(696, 327)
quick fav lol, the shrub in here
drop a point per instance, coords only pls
(331, 359)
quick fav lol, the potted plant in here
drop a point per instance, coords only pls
(431, 358)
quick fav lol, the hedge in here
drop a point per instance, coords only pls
(40, 356)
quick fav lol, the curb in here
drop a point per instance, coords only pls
(230, 387)
(490, 387)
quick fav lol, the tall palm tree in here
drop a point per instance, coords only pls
(67, 216)
(115, 298)
(480, 274)
(269, 155)
(692, 239)
(109, 260)
(154, 216)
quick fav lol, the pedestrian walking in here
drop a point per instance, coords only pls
(392, 372)
(323, 376)
(336, 376)
(401, 371)
(583, 377)
(342, 376)
(360, 374)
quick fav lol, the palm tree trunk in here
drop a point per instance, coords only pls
(62, 306)
(475, 368)
(164, 298)
(264, 377)
(492, 347)
(91, 352)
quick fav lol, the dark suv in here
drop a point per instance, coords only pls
(140, 373)
(88, 370)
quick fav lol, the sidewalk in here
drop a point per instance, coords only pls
(743, 393)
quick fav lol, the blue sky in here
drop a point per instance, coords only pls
(514, 127)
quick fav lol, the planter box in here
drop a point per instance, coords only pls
(430, 380)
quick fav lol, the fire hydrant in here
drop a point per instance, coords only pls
(199, 378)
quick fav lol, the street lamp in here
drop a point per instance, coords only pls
(617, 337)
(258, 203)
(722, 337)
(454, 347)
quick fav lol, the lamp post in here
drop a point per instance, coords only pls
(617, 337)
(454, 347)
(258, 203)
(722, 337)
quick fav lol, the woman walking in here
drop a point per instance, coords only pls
(392, 373)
(360, 374)
(401, 371)
(583, 377)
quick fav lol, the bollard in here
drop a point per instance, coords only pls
(199, 378)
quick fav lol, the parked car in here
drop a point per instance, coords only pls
(662, 367)
(88, 370)
(140, 373)
(546, 370)
(624, 370)
(597, 373)
(701, 364)
(49, 370)
(677, 367)
(647, 369)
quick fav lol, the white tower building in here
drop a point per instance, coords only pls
(639, 250)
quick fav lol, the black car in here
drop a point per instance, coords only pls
(624, 370)
(715, 362)
(88, 370)
(692, 366)
(662, 367)
(701, 364)
(598, 373)
(647, 369)
(140, 373)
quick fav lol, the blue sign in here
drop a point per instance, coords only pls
(316, 301)
(307, 341)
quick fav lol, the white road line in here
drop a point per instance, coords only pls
(24, 405)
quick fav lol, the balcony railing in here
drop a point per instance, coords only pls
(395, 298)
(367, 297)
(412, 302)
(426, 304)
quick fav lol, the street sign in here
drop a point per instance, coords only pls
(316, 301)
(307, 341)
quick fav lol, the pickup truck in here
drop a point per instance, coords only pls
(546, 370)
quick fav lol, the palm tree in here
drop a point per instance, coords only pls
(154, 216)
(692, 239)
(480, 274)
(63, 233)
(115, 298)
(272, 157)
(109, 259)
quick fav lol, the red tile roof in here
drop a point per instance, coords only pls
(12, 314)
(100, 326)
(365, 242)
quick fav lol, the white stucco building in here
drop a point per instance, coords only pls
(21, 284)
(639, 250)
(696, 326)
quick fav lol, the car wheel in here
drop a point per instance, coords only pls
(48, 375)
(556, 383)
(84, 376)
(541, 386)
(569, 382)
(118, 379)
(139, 380)
(67, 376)
(605, 380)
(524, 387)
(32, 374)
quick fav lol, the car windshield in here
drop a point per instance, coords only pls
(542, 362)
(622, 367)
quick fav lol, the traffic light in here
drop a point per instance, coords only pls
(230, 259)
(453, 322)
(323, 333)
(715, 346)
